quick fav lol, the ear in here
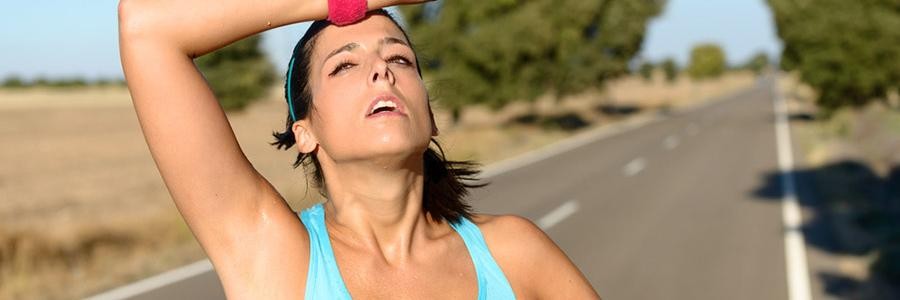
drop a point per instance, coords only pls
(434, 128)
(306, 140)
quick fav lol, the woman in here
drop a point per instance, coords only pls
(359, 112)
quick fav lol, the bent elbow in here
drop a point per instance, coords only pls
(134, 17)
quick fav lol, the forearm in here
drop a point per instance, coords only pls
(197, 27)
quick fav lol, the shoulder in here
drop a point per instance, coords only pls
(508, 235)
(531, 261)
(504, 223)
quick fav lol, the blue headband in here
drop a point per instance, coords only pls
(290, 103)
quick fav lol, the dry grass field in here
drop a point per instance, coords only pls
(83, 209)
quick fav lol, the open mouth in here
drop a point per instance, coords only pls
(384, 106)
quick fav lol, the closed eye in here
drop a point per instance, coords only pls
(344, 65)
(400, 59)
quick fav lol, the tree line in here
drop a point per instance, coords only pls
(496, 52)
(491, 52)
(15, 82)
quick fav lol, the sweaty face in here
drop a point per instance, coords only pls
(368, 99)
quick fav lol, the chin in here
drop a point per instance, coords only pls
(399, 146)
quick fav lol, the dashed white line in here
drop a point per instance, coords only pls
(634, 166)
(670, 142)
(794, 245)
(558, 215)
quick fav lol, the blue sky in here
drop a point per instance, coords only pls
(60, 38)
(741, 27)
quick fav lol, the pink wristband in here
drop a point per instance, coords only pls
(343, 12)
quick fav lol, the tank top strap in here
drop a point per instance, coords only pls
(492, 283)
(323, 280)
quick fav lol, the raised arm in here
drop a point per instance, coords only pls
(221, 196)
(236, 215)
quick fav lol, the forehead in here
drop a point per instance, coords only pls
(366, 32)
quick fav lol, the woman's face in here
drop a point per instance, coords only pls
(356, 69)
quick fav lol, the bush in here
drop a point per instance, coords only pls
(68, 82)
(646, 70)
(707, 61)
(670, 68)
(757, 63)
(13, 81)
(238, 74)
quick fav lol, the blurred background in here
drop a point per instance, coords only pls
(640, 135)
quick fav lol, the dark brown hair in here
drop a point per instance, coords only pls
(446, 182)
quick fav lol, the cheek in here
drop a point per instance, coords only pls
(411, 85)
(412, 88)
(419, 95)
(331, 119)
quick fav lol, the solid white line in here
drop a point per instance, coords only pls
(670, 142)
(794, 245)
(634, 166)
(558, 215)
(156, 282)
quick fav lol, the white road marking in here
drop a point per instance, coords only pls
(156, 282)
(558, 215)
(670, 142)
(572, 143)
(488, 171)
(602, 132)
(692, 129)
(794, 245)
(634, 166)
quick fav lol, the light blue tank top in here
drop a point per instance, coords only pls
(324, 279)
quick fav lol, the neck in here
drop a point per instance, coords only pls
(377, 205)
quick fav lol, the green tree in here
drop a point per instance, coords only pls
(13, 81)
(646, 70)
(498, 51)
(69, 82)
(670, 68)
(707, 61)
(238, 74)
(757, 63)
(846, 50)
(103, 82)
(40, 81)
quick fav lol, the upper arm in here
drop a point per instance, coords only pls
(534, 264)
(216, 189)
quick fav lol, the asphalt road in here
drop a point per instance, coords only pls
(665, 211)
(668, 210)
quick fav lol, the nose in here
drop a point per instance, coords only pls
(381, 72)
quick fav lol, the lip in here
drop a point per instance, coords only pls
(400, 110)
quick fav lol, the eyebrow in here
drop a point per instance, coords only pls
(391, 40)
(353, 45)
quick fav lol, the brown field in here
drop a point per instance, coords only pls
(83, 209)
